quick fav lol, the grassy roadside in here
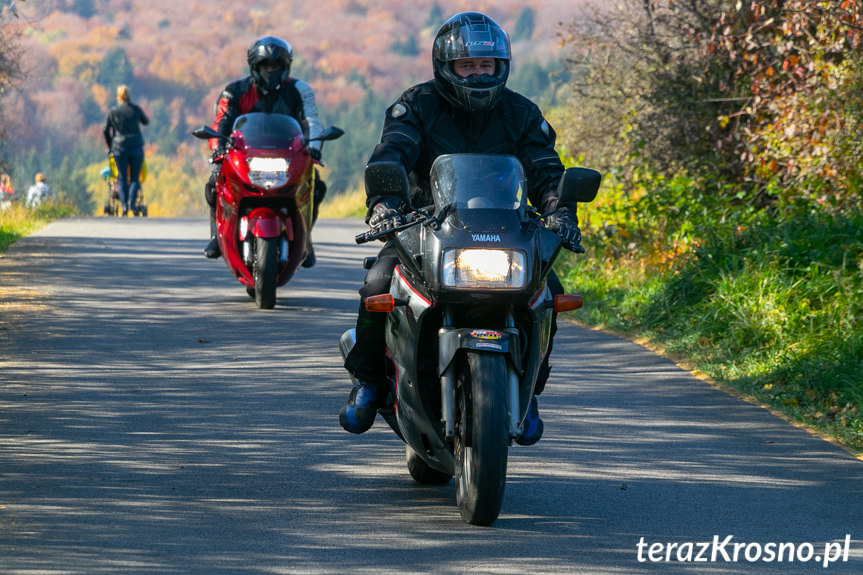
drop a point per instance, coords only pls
(18, 221)
(351, 204)
(772, 313)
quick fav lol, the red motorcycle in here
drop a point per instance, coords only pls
(264, 205)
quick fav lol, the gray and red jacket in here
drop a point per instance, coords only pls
(294, 98)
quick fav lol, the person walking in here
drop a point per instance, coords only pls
(126, 143)
(39, 192)
(7, 192)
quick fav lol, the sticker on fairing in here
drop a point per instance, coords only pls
(486, 334)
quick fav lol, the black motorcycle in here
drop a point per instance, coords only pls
(469, 318)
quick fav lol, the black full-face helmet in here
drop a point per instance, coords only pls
(270, 50)
(471, 35)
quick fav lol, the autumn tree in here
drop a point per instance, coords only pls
(11, 72)
(763, 97)
(793, 88)
(116, 69)
(642, 84)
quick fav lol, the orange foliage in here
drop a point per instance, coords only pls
(101, 96)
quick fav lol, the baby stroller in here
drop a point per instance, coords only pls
(113, 206)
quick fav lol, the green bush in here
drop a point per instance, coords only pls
(773, 308)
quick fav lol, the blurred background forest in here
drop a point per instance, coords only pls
(176, 57)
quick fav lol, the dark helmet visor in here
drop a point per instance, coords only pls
(466, 38)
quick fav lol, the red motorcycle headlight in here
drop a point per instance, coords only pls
(268, 173)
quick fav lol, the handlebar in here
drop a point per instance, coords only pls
(411, 219)
(414, 218)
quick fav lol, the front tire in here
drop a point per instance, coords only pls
(265, 271)
(422, 472)
(482, 437)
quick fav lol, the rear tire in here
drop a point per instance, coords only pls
(265, 270)
(482, 437)
(422, 472)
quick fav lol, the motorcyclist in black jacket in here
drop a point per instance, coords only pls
(465, 109)
(268, 88)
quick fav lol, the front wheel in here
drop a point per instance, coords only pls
(482, 437)
(265, 271)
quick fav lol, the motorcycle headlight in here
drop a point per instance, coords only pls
(268, 172)
(473, 268)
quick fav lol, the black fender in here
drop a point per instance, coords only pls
(451, 340)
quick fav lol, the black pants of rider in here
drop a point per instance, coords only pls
(367, 360)
(210, 196)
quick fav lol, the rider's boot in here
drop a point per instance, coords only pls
(310, 260)
(212, 250)
(532, 425)
(358, 414)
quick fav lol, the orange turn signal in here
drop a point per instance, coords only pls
(384, 303)
(567, 302)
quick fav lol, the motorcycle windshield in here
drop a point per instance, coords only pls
(267, 131)
(468, 182)
(478, 181)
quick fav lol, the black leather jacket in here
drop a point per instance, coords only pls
(123, 127)
(421, 126)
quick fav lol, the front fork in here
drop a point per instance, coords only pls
(249, 231)
(448, 377)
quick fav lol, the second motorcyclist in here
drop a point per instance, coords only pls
(466, 108)
(268, 88)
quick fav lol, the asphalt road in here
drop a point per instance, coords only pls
(152, 420)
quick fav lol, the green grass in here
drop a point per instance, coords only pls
(18, 221)
(347, 205)
(772, 312)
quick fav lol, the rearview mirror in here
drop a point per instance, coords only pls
(578, 185)
(330, 133)
(206, 132)
(387, 179)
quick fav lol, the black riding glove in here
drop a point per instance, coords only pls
(565, 223)
(384, 217)
(315, 154)
(218, 153)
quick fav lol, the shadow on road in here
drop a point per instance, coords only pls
(152, 420)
